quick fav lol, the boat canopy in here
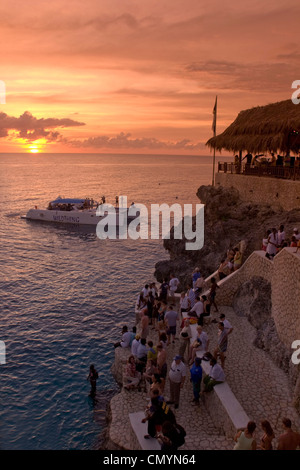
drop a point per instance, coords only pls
(59, 200)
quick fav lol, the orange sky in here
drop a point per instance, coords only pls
(139, 76)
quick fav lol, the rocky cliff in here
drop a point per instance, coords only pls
(228, 221)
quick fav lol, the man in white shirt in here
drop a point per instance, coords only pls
(134, 345)
(216, 372)
(272, 244)
(173, 284)
(142, 351)
(171, 321)
(215, 376)
(177, 376)
(126, 338)
(227, 325)
(198, 308)
(146, 290)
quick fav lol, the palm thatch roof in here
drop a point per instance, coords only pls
(269, 128)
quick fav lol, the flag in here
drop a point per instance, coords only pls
(214, 124)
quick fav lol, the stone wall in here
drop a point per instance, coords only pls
(284, 276)
(256, 265)
(277, 334)
(286, 296)
(279, 193)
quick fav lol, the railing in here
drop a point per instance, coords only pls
(264, 169)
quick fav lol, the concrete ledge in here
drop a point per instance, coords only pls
(226, 412)
(138, 431)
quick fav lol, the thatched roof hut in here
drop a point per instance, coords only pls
(269, 128)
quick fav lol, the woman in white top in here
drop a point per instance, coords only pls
(272, 244)
(244, 439)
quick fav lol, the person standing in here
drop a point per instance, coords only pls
(198, 308)
(134, 345)
(206, 310)
(212, 293)
(173, 284)
(244, 439)
(183, 302)
(171, 321)
(191, 296)
(164, 291)
(161, 361)
(281, 235)
(222, 344)
(200, 344)
(92, 377)
(196, 378)
(184, 339)
(227, 325)
(199, 285)
(268, 436)
(289, 440)
(146, 291)
(177, 376)
(296, 233)
(272, 244)
(144, 325)
(222, 269)
(196, 275)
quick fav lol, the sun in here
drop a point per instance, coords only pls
(36, 146)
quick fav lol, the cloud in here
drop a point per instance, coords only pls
(31, 128)
(125, 141)
(275, 76)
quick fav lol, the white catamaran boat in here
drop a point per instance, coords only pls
(79, 211)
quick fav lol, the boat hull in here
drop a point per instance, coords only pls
(86, 217)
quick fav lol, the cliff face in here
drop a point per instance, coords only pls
(227, 221)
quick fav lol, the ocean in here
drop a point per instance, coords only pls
(65, 294)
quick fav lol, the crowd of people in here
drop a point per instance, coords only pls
(171, 326)
(275, 240)
(288, 440)
(147, 362)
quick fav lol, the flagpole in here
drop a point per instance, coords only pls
(214, 127)
(213, 178)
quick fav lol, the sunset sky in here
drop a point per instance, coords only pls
(139, 75)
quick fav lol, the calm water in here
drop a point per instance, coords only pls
(65, 293)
